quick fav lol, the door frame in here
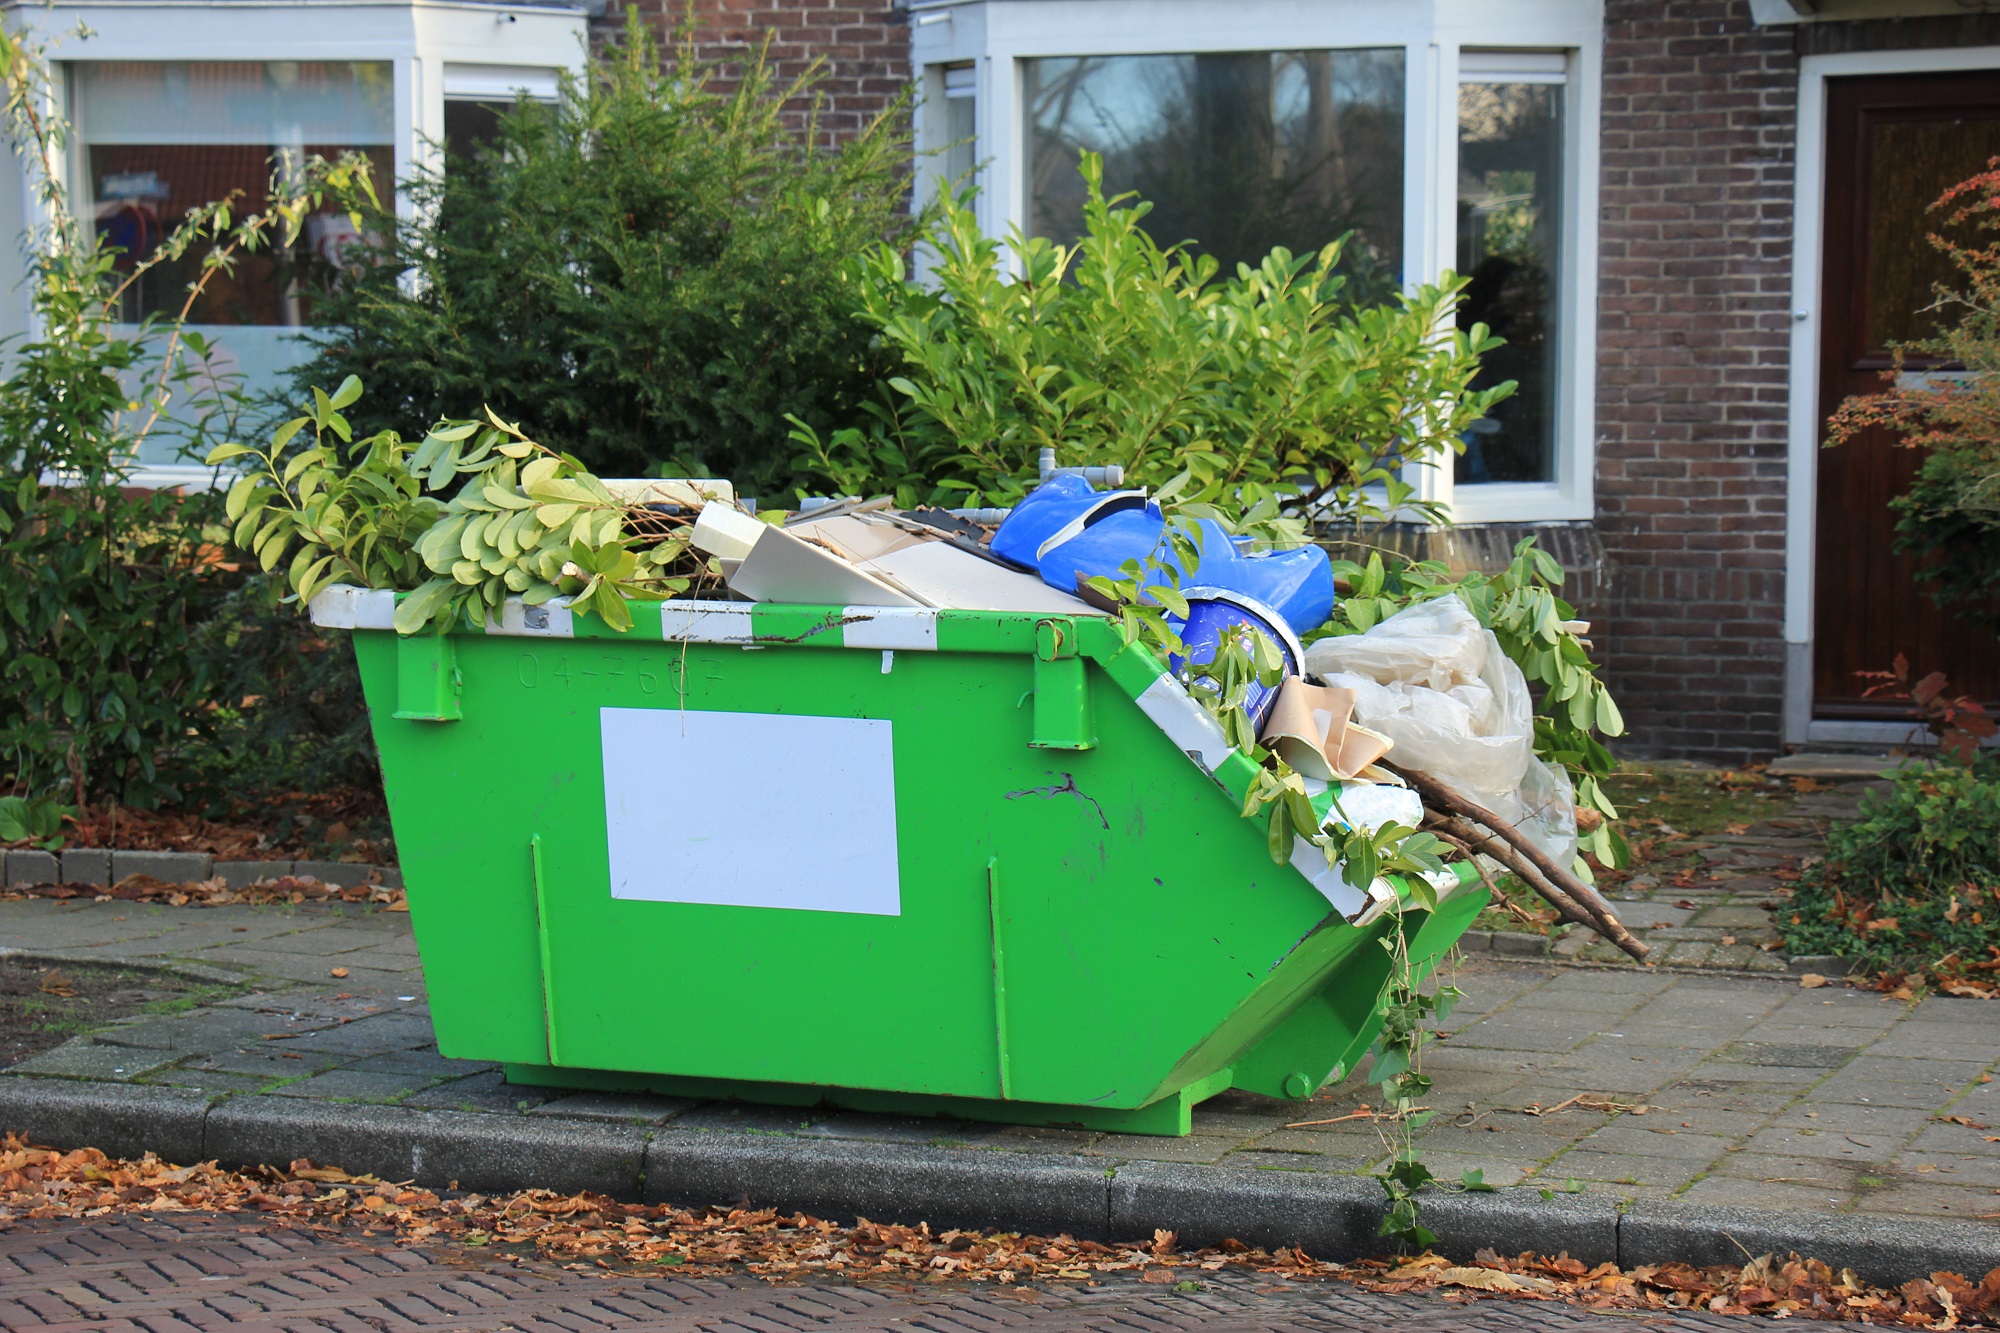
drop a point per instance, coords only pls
(1802, 424)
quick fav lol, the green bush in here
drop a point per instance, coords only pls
(287, 713)
(104, 590)
(1265, 385)
(1914, 884)
(646, 274)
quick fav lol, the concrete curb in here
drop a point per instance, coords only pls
(1330, 1217)
(104, 867)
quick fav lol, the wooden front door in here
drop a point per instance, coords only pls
(1893, 145)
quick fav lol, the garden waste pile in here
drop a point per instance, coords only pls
(1423, 707)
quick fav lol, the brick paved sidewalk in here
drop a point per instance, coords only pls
(1760, 1093)
(146, 1275)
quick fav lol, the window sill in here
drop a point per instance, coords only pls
(1516, 502)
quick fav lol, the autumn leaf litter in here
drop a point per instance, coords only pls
(592, 1231)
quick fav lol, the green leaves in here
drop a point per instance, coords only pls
(1254, 398)
(520, 520)
(38, 819)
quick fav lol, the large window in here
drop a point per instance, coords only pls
(1237, 151)
(159, 138)
(1510, 170)
(1454, 135)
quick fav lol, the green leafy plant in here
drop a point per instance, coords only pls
(1950, 517)
(1914, 884)
(38, 820)
(521, 520)
(1264, 387)
(650, 270)
(1409, 1017)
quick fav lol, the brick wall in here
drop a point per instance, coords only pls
(1694, 323)
(864, 44)
(1694, 333)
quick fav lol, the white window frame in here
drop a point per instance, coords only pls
(436, 48)
(1436, 38)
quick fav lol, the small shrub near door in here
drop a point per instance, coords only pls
(1914, 884)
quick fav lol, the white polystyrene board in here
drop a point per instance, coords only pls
(889, 627)
(1186, 723)
(768, 810)
(551, 620)
(718, 622)
(782, 568)
(343, 606)
(948, 576)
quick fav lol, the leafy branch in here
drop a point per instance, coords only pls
(520, 520)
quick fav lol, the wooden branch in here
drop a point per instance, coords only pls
(1436, 824)
(1480, 842)
(1549, 877)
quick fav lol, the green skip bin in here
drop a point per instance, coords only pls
(971, 863)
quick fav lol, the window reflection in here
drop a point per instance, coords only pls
(1509, 223)
(160, 138)
(1238, 152)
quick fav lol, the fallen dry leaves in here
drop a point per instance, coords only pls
(294, 889)
(583, 1230)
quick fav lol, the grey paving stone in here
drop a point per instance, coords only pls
(424, 1061)
(1254, 1158)
(168, 867)
(323, 940)
(196, 1033)
(1804, 1143)
(82, 1058)
(488, 1092)
(863, 1127)
(203, 1080)
(355, 1085)
(1890, 1122)
(369, 1036)
(1149, 1148)
(388, 964)
(1630, 1136)
(1734, 1192)
(742, 1117)
(267, 1063)
(242, 874)
(1500, 1169)
(32, 867)
(1620, 1168)
(86, 865)
(1972, 1204)
(626, 1108)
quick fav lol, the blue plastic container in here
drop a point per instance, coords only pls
(1215, 612)
(1069, 532)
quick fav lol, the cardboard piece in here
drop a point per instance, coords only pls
(1311, 728)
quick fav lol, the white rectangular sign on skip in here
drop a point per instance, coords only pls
(751, 810)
